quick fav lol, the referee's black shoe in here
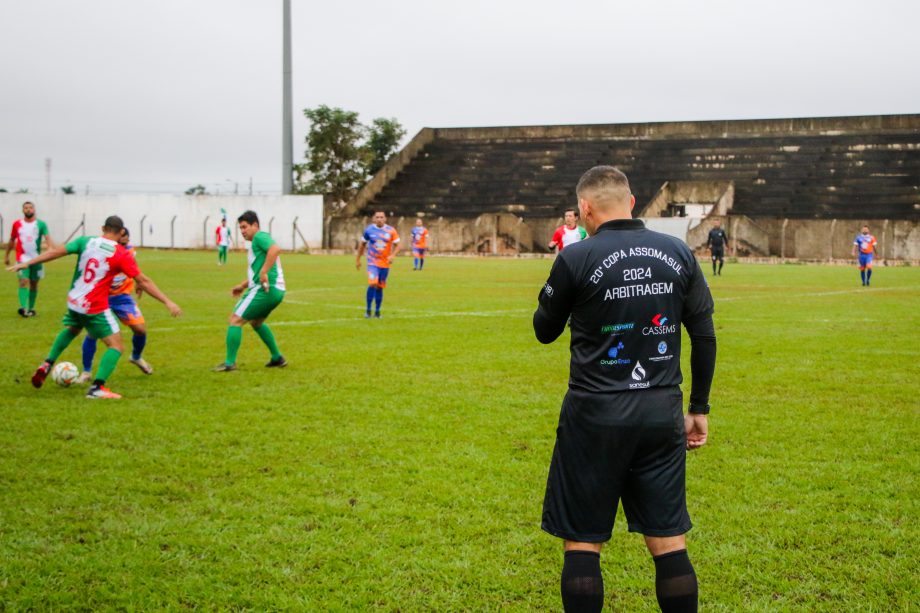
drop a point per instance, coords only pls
(22, 312)
(279, 363)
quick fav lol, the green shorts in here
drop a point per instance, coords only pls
(256, 303)
(97, 326)
(32, 273)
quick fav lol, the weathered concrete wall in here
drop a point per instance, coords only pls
(805, 239)
(489, 234)
(695, 129)
(163, 220)
(833, 239)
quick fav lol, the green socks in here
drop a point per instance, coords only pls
(265, 333)
(33, 294)
(234, 338)
(24, 297)
(107, 364)
(60, 344)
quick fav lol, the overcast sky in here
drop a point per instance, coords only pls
(159, 95)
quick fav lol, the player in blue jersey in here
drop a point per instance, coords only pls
(865, 244)
(382, 244)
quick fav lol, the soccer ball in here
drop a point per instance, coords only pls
(65, 374)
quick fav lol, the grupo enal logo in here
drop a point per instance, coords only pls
(548, 289)
(614, 354)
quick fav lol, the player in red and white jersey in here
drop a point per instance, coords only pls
(26, 239)
(568, 233)
(222, 236)
(100, 260)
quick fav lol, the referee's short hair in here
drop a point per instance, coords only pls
(603, 184)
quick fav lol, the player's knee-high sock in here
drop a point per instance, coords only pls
(713, 267)
(582, 584)
(234, 338)
(862, 275)
(421, 263)
(33, 296)
(89, 352)
(378, 298)
(265, 333)
(868, 275)
(675, 583)
(60, 344)
(720, 266)
(24, 297)
(107, 365)
(371, 291)
(138, 342)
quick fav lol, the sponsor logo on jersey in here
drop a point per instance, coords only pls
(613, 353)
(659, 326)
(617, 328)
(638, 374)
(662, 347)
(548, 289)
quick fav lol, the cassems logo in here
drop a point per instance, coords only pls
(638, 374)
(613, 354)
(659, 326)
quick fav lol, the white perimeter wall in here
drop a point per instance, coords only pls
(193, 218)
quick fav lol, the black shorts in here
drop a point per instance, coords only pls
(629, 446)
(718, 253)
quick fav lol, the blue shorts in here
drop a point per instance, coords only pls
(865, 260)
(419, 252)
(126, 309)
(377, 275)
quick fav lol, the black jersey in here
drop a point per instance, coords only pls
(627, 290)
(717, 238)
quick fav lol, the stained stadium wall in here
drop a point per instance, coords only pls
(181, 222)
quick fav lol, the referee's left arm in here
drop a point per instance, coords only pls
(555, 302)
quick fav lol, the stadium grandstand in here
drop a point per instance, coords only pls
(785, 187)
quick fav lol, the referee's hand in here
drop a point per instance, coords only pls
(697, 427)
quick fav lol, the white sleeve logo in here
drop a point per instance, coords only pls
(548, 289)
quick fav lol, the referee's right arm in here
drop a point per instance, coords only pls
(554, 303)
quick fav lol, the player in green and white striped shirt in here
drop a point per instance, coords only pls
(261, 292)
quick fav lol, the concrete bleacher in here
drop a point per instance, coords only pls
(846, 168)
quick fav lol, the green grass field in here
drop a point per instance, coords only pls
(400, 464)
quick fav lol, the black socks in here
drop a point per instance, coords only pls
(582, 584)
(675, 583)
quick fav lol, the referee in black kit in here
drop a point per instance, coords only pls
(622, 433)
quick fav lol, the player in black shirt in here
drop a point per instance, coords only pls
(622, 433)
(717, 243)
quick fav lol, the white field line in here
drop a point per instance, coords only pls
(358, 317)
(833, 293)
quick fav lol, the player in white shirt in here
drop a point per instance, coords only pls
(26, 238)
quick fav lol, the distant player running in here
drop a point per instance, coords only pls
(717, 242)
(223, 242)
(26, 238)
(129, 313)
(419, 244)
(100, 259)
(260, 294)
(568, 233)
(865, 244)
(382, 244)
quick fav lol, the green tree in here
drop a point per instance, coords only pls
(342, 153)
(196, 190)
(68, 189)
(383, 140)
(3, 190)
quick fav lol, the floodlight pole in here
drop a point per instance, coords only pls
(287, 140)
